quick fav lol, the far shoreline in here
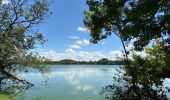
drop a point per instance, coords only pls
(102, 61)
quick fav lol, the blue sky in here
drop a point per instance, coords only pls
(68, 38)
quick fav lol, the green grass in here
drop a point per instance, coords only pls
(5, 97)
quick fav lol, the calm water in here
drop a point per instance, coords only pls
(68, 82)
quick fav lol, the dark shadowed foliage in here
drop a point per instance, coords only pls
(139, 82)
(141, 20)
(142, 79)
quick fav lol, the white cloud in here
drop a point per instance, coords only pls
(75, 46)
(82, 29)
(86, 56)
(51, 55)
(72, 54)
(79, 43)
(5, 1)
(116, 54)
(103, 43)
(129, 47)
(83, 42)
(74, 37)
(90, 56)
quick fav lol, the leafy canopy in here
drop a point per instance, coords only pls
(18, 19)
(138, 20)
(143, 79)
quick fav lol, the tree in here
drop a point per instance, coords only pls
(141, 21)
(142, 80)
(129, 19)
(18, 34)
(160, 54)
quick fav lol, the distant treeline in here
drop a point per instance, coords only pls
(103, 61)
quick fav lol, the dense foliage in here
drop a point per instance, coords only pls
(137, 20)
(140, 22)
(142, 80)
(17, 33)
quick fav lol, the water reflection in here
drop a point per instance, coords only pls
(74, 76)
(11, 85)
(64, 82)
(61, 82)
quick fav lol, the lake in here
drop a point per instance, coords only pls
(68, 82)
